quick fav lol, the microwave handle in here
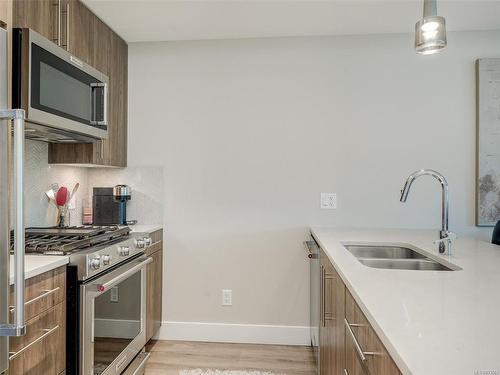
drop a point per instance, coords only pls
(96, 88)
(18, 328)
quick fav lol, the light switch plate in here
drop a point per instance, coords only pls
(328, 201)
(227, 297)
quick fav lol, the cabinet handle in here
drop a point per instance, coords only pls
(57, 39)
(362, 354)
(44, 294)
(47, 332)
(327, 315)
(322, 293)
(66, 45)
(346, 372)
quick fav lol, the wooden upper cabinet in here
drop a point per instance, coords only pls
(70, 24)
(5, 13)
(77, 35)
(115, 147)
(42, 16)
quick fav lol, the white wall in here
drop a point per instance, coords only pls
(249, 132)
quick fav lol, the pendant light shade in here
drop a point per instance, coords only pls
(430, 31)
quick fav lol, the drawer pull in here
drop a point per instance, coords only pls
(37, 298)
(47, 332)
(362, 354)
(346, 372)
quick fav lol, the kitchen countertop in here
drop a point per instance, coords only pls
(35, 265)
(143, 228)
(431, 322)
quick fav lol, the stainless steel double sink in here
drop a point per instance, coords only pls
(394, 257)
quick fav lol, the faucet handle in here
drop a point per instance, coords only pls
(446, 240)
(449, 236)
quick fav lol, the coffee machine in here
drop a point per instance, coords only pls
(109, 205)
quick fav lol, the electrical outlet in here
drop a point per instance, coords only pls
(227, 297)
(328, 201)
(114, 294)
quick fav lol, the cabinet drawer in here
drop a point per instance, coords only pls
(43, 292)
(364, 339)
(42, 350)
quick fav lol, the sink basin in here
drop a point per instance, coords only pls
(405, 264)
(384, 252)
(396, 257)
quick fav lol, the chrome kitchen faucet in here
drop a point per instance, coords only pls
(445, 236)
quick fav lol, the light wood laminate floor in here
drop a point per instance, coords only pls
(168, 357)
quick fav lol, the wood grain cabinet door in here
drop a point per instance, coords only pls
(43, 16)
(154, 294)
(77, 36)
(5, 13)
(332, 339)
(378, 360)
(115, 147)
(42, 350)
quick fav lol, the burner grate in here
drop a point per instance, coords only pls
(63, 241)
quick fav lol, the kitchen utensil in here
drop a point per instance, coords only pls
(62, 196)
(75, 189)
(51, 195)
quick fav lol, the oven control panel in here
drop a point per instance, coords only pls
(100, 260)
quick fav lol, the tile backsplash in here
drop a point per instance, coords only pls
(146, 184)
(38, 177)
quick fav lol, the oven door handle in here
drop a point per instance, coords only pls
(108, 283)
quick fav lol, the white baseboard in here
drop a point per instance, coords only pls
(126, 329)
(236, 333)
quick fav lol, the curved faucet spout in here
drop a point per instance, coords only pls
(444, 197)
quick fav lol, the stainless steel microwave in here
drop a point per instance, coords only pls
(65, 99)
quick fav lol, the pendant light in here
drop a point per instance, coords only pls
(430, 31)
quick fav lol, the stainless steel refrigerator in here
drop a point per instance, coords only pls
(11, 122)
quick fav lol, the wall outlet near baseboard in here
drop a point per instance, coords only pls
(114, 294)
(328, 201)
(227, 297)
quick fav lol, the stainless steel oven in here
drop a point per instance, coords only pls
(65, 99)
(113, 318)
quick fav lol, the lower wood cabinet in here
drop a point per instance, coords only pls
(42, 350)
(331, 335)
(154, 285)
(348, 343)
(368, 349)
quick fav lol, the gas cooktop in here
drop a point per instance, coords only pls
(66, 241)
(92, 249)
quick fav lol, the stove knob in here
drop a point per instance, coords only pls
(124, 251)
(95, 263)
(148, 241)
(106, 260)
(140, 243)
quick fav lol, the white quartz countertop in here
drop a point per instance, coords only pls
(35, 265)
(144, 228)
(431, 322)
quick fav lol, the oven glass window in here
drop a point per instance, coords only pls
(117, 321)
